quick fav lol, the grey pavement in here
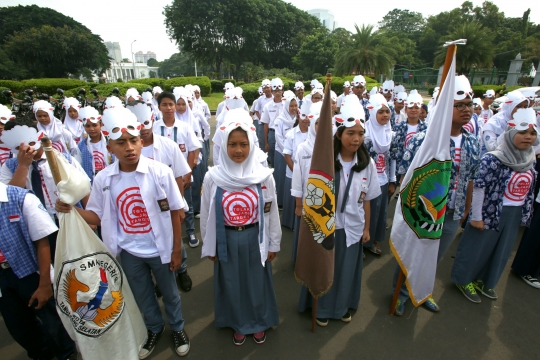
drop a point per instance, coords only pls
(503, 329)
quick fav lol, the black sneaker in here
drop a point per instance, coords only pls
(184, 281)
(150, 344)
(481, 287)
(322, 322)
(181, 342)
(347, 317)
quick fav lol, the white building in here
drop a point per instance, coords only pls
(126, 71)
(114, 50)
(326, 17)
(141, 57)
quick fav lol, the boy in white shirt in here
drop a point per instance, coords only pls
(487, 113)
(269, 114)
(138, 204)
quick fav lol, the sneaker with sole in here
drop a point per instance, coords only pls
(531, 281)
(259, 337)
(193, 241)
(239, 339)
(197, 215)
(470, 293)
(400, 308)
(347, 317)
(431, 305)
(322, 322)
(148, 347)
(481, 287)
(374, 249)
(181, 342)
(184, 281)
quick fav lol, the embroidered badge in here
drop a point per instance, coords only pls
(14, 218)
(164, 204)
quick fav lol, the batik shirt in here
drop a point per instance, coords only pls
(399, 141)
(493, 177)
(468, 167)
(387, 159)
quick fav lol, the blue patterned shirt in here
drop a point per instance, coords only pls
(493, 177)
(400, 138)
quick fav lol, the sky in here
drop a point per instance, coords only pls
(122, 22)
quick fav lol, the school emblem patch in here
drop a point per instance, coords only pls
(90, 293)
(319, 208)
(424, 198)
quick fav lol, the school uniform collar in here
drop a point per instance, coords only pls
(297, 130)
(142, 166)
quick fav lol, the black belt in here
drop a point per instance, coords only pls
(241, 227)
(272, 129)
(5, 266)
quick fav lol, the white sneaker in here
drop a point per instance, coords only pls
(531, 281)
(193, 241)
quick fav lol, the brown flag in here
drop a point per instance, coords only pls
(315, 257)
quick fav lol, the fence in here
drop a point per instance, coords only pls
(416, 79)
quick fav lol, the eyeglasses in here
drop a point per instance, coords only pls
(462, 106)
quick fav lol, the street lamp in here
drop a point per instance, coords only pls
(133, 59)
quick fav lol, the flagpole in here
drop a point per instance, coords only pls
(51, 159)
(314, 314)
(451, 48)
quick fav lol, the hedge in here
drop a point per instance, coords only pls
(3, 99)
(217, 86)
(224, 81)
(250, 92)
(15, 86)
(202, 81)
(49, 86)
(150, 81)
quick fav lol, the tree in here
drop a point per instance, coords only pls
(478, 51)
(152, 62)
(403, 21)
(179, 64)
(366, 55)
(316, 54)
(56, 52)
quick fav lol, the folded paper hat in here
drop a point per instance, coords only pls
(89, 113)
(118, 121)
(143, 113)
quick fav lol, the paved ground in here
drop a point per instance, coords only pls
(503, 329)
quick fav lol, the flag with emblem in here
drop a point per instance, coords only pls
(315, 256)
(91, 292)
(421, 207)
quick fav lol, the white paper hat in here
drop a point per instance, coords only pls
(514, 97)
(490, 93)
(351, 112)
(238, 115)
(400, 97)
(5, 114)
(43, 105)
(315, 110)
(462, 88)
(530, 95)
(119, 120)
(373, 91)
(435, 93)
(13, 138)
(313, 83)
(376, 102)
(523, 119)
(333, 95)
(277, 84)
(359, 80)
(287, 95)
(260, 90)
(143, 113)
(304, 109)
(196, 88)
(298, 85)
(228, 86)
(157, 90)
(113, 102)
(89, 113)
(147, 97)
(71, 101)
(387, 86)
(265, 83)
(477, 102)
(134, 93)
(347, 84)
(234, 98)
(414, 98)
(399, 88)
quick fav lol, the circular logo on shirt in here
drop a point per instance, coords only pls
(469, 127)
(58, 146)
(133, 215)
(518, 186)
(408, 138)
(238, 207)
(89, 293)
(380, 164)
(99, 160)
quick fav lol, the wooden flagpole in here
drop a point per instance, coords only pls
(51, 159)
(314, 314)
(447, 63)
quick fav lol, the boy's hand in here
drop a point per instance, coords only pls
(365, 237)
(479, 225)
(176, 260)
(26, 155)
(41, 295)
(62, 207)
(271, 256)
(298, 211)
(213, 258)
(187, 181)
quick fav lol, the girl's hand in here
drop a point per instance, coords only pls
(391, 189)
(479, 225)
(213, 258)
(298, 211)
(62, 207)
(365, 236)
(271, 256)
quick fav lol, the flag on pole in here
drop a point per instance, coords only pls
(419, 216)
(315, 257)
(91, 292)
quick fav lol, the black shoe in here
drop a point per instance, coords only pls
(184, 281)
(181, 342)
(150, 344)
(321, 322)
(157, 291)
(347, 317)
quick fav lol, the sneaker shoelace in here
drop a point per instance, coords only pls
(470, 288)
(180, 338)
(151, 342)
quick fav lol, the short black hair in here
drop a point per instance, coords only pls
(20, 120)
(166, 95)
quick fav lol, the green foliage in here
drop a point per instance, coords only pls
(217, 86)
(240, 83)
(150, 81)
(152, 62)
(49, 86)
(106, 89)
(316, 53)
(202, 81)
(403, 21)
(224, 81)
(12, 85)
(250, 92)
(3, 99)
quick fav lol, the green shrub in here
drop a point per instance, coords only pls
(15, 86)
(105, 89)
(150, 81)
(240, 83)
(202, 81)
(250, 92)
(3, 99)
(217, 86)
(49, 86)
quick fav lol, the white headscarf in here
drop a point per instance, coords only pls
(187, 116)
(74, 126)
(232, 176)
(498, 122)
(286, 117)
(380, 135)
(54, 130)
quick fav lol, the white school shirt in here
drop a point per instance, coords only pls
(203, 124)
(220, 108)
(485, 115)
(186, 138)
(281, 132)
(262, 101)
(49, 187)
(457, 162)
(272, 228)
(302, 164)
(270, 112)
(241, 207)
(167, 152)
(365, 186)
(293, 139)
(205, 110)
(253, 109)
(156, 182)
(517, 188)
(100, 155)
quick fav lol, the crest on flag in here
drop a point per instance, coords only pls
(319, 205)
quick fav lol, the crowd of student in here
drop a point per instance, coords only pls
(155, 148)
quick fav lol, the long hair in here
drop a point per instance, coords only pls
(362, 154)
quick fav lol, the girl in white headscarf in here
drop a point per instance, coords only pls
(72, 121)
(378, 141)
(503, 197)
(241, 235)
(497, 123)
(283, 123)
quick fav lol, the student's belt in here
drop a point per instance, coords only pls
(175, 131)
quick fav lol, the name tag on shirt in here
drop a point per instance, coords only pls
(14, 218)
(163, 204)
(267, 207)
(183, 147)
